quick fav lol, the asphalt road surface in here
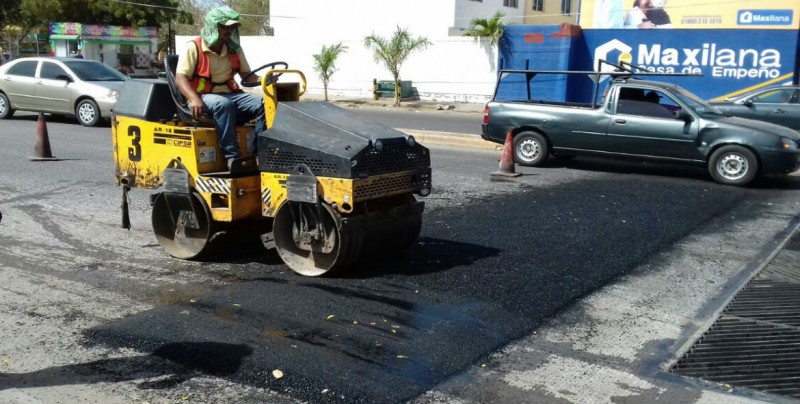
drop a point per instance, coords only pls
(440, 121)
(88, 303)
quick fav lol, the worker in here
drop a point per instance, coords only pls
(205, 76)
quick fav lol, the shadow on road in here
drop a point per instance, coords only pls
(183, 359)
(697, 172)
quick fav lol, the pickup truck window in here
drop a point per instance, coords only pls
(696, 104)
(646, 102)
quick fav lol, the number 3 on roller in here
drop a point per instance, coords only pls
(135, 151)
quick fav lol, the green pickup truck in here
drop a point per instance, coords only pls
(645, 120)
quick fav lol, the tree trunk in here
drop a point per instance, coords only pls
(397, 91)
(325, 86)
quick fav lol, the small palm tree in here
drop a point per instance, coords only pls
(393, 52)
(491, 28)
(325, 63)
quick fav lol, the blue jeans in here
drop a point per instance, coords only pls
(230, 110)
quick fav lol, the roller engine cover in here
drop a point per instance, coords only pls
(334, 142)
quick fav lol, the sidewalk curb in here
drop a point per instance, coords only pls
(464, 140)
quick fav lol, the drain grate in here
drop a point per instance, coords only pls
(756, 341)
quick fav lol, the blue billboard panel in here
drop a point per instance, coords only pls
(730, 61)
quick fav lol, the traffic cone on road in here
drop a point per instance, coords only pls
(41, 149)
(507, 159)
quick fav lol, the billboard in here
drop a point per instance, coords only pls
(728, 64)
(690, 14)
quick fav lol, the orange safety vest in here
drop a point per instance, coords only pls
(201, 82)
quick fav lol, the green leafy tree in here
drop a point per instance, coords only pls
(325, 63)
(394, 51)
(254, 16)
(145, 13)
(483, 28)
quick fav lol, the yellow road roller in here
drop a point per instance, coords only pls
(324, 188)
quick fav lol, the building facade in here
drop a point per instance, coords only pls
(550, 12)
(131, 50)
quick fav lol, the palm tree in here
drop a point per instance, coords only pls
(393, 52)
(483, 28)
(325, 63)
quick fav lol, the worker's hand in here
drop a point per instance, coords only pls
(197, 108)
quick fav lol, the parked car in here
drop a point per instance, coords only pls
(645, 120)
(86, 89)
(776, 104)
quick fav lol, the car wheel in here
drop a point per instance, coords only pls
(530, 149)
(5, 107)
(733, 165)
(88, 113)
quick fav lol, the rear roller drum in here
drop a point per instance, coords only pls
(309, 238)
(182, 224)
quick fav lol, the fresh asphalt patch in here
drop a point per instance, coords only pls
(480, 276)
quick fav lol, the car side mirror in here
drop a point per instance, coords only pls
(748, 102)
(64, 77)
(684, 116)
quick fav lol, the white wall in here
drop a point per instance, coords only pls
(453, 69)
(354, 19)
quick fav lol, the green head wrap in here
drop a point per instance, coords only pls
(217, 16)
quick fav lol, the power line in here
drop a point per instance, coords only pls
(144, 4)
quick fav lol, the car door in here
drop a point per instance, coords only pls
(792, 111)
(20, 83)
(646, 123)
(771, 105)
(53, 88)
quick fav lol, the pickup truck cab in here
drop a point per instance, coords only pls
(645, 120)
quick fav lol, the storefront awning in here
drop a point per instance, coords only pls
(118, 42)
(58, 36)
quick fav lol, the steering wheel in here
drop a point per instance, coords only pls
(273, 78)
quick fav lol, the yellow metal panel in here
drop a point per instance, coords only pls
(339, 192)
(230, 199)
(273, 192)
(143, 149)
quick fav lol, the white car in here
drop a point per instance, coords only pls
(86, 89)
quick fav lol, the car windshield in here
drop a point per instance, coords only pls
(696, 103)
(94, 71)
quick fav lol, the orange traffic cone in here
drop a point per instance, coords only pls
(507, 159)
(41, 149)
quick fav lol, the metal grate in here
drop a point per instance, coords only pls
(281, 160)
(756, 341)
(395, 156)
(384, 187)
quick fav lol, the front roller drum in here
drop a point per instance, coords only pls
(182, 224)
(309, 238)
(314, 239)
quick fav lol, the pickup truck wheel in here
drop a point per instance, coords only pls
(530, 149)
(733, 165)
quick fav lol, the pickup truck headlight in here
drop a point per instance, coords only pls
(788, 144)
